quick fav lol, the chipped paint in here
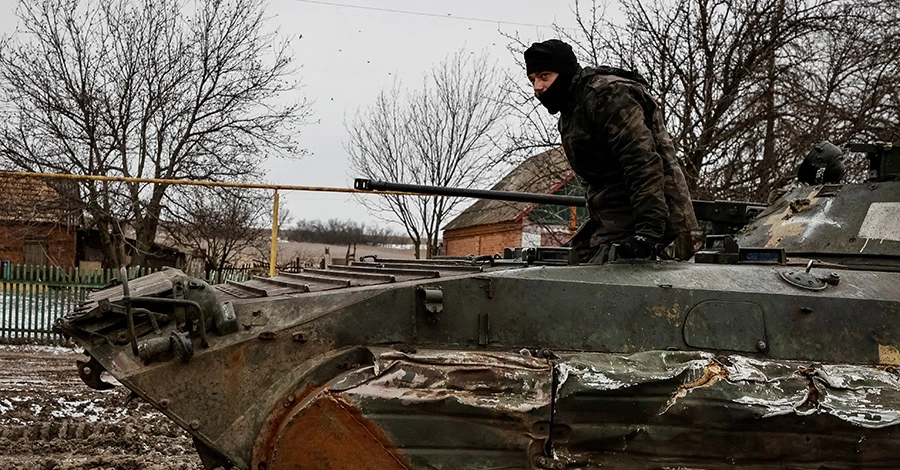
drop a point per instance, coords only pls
(508, 383)
(773, 406)
(813, 219)
(590, 377)
(616, 371)
(778, 230)
(888, 354)
(865, 396)
(672, 313)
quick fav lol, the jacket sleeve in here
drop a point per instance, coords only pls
(620, 116)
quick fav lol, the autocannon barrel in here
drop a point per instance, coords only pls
(364, 184)
(732, 214)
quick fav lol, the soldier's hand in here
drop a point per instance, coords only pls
(637, 247)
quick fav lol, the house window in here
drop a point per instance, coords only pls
(35, 252)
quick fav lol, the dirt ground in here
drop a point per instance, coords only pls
(49, 420)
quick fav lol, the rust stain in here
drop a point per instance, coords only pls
(888, 354)
(671, 314)
(331, 433)
(813, 395)
(234, 370)
(236, 358)
(712, 373)
(268, 434)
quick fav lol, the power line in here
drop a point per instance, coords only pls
(448, 16)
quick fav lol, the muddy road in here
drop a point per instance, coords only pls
(51, 420)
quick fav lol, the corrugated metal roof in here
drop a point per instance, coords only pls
(542, 173)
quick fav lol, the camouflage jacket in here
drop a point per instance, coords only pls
(615, 140)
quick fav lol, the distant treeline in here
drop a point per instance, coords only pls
(343, 232)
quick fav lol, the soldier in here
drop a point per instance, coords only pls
(615, 140)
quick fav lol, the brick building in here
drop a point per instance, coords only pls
(42, 225)
(37, 226)
(489, 226)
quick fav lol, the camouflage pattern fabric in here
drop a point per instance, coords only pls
(615, 140)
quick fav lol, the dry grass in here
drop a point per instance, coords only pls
(316, 251)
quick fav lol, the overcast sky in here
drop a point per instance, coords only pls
(348, 54)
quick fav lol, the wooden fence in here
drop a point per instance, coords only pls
(33, 297)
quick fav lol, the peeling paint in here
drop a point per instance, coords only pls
(865, 396)
(671, 313)
(888, 354)
(590, 377)
(813, 218)
(507, 383)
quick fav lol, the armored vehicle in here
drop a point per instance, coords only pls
(778, 347)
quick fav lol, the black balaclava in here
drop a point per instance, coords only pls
(553, 55)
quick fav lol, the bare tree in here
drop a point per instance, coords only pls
(440, 134)
(146, 88)
(218, 224)
(747, 86)
(531, 130)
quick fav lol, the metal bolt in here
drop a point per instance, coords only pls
(559, 466)
(542, 461)
(289, 400)
(195, 424)
(266, 335)
(164, 403)
(762, 346)
(833, 279)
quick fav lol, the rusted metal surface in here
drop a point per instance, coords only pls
(418, 411)
(331, 433)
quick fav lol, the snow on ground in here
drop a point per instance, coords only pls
(49, 419)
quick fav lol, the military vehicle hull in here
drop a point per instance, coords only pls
(624, 365)
(777, 348)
